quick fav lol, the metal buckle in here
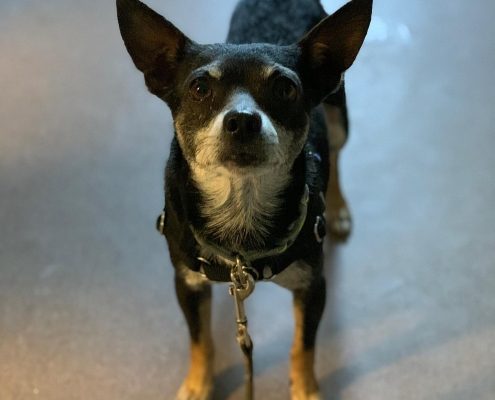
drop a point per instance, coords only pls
(242, 286)
(319, 229)
(203, 261)
(160, 222)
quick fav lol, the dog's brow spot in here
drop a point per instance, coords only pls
(215, 72)
(268, 70)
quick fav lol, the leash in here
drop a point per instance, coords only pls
(241, 287)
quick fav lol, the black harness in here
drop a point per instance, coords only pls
(304, 235)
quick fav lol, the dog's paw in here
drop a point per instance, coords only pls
(195, 391)
(303, 384)
(298, 394)
(339, 222)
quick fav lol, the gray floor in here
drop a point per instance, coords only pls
(87, 309)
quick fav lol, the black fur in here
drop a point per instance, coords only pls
(264, 35)
(281, 22)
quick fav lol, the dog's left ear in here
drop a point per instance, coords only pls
(331, 47)
(155, 45)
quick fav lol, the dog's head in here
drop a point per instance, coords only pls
(242, 109)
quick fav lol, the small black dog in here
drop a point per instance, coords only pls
(259, 122)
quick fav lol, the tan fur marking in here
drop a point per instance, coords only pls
(302, 376)
(215, 72)
(334, 197)
(198, 383)
(335, 126)
(338, 215)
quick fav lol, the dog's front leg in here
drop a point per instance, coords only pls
(308, 308)
(195, 302)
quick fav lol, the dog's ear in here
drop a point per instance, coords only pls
(154, 44)
(332, 45)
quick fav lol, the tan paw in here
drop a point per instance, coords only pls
(339, 222)
(195, 390)
(301, 394)
(303, 381)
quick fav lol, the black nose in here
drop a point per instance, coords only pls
(243, 125)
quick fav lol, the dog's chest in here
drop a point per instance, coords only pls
(239, 209)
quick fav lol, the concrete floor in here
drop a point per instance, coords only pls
(87, 308)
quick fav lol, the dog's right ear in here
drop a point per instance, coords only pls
(155, 45)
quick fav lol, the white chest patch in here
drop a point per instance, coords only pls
(239, 206)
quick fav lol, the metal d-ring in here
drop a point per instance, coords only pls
(316, 231)
(160, 222)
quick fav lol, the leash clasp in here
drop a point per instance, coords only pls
(242, 286)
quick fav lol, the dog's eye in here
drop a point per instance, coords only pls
(200, 89)
(285, 89)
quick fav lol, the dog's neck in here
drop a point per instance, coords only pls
(240, 208)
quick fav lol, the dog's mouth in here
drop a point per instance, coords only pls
(242, 159)
(243, 156)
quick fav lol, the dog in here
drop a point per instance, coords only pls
(252, 174)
